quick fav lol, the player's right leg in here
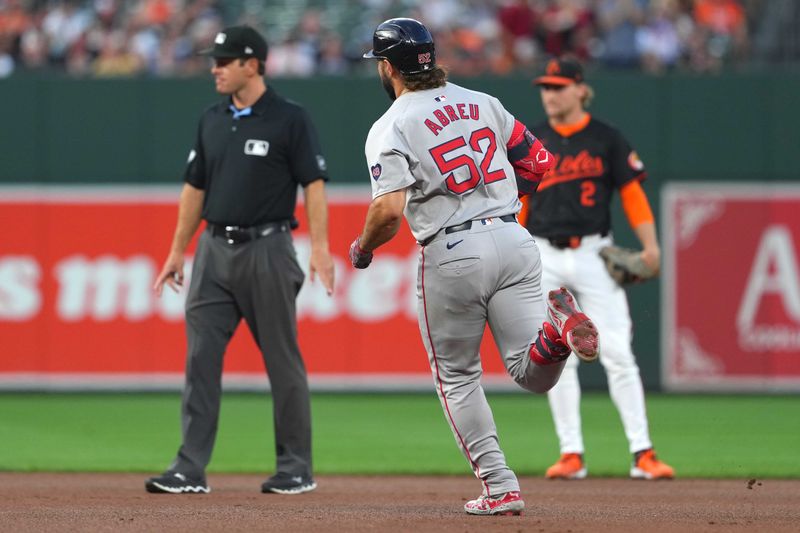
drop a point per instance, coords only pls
(565, 396)
(452, 318)
(516, 312)
(211, 319)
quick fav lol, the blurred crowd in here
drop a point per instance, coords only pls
(102, 38)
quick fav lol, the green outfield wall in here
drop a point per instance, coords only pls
(733, 127)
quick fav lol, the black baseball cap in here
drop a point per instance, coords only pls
(561, 71)
(238, 42)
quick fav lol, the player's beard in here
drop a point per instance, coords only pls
(387, 85)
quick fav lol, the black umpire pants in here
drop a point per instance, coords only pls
(257, 280)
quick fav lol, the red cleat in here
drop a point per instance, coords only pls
(509, 503)
(574, 327)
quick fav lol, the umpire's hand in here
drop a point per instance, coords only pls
(171, 274)
(321, 264)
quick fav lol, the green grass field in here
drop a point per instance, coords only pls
(701, 436)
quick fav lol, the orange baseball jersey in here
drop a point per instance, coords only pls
(574, 197)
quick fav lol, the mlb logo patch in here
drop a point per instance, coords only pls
(440, 98)
(256, 147)
(376, 171)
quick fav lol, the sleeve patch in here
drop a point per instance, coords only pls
(376, 170)
(634, 162)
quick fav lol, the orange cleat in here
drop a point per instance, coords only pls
(569, 466)
(647, 466)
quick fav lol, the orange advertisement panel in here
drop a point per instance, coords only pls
(77, 310)
(731, 287)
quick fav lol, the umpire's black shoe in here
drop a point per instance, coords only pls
(176, 483)
(283, 483)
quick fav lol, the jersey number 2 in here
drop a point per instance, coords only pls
(588, 188)
(447, 166)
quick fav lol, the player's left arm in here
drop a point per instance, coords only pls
(640, 217)
(530, 159)
(629, 172)
(384, 216)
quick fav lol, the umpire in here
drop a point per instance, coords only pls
(252, 151)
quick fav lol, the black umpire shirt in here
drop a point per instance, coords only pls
(250, 161)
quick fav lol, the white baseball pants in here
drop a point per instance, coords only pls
(581, 270)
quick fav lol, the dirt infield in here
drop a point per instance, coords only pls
(118, 502)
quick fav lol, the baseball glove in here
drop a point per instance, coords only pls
(626, 265)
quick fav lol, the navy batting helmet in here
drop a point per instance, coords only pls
(405, 43)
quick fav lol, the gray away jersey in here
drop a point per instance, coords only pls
(448, 146)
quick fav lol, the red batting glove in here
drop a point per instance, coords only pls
(358, 257)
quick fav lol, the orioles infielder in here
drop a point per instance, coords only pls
(569, 217)
(446, 158)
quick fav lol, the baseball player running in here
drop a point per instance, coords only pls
(570, 219)
(446, 157)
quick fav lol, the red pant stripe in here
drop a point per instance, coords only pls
(475, 467)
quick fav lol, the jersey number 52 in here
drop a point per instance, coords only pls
(447, 166)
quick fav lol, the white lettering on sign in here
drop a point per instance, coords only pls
(774, 272)
(375, 294)
(101, 288)
(20, 298)
(770, 338)
(107, 287)
(385, 289)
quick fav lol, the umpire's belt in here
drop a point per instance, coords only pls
(468, 225)
(240, 234)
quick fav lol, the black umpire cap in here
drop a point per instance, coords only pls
(238, 42)
(405, 43)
